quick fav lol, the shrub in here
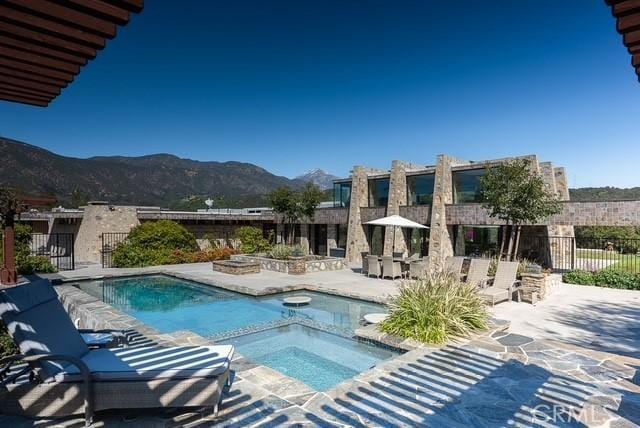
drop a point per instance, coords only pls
(252, 241)
(33, 264)
(182, 256)
(281, 252)
(153, 243)
(617, 279)
(581, 277)
(7, 345)
(26, 264)
(436, 309)
(609, 278)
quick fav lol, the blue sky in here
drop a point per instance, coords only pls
(295, 85)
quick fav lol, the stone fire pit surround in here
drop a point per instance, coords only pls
(295, 265)
(236, 267)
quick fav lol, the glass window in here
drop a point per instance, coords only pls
(418, 242)
(467, 186)
(477, 241)
(341, 235)
(376, 240)
(420, 189)
(378, 192)
(342, 194)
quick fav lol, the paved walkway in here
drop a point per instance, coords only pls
(346, 282)
(595, 318)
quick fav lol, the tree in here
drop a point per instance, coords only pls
(295, 205)
(512, 192)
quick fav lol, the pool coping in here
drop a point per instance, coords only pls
(228, 285)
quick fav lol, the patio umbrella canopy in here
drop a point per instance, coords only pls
(396, 221)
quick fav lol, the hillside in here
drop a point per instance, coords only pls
(159, 180)
(604, 194)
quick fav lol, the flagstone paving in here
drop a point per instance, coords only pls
(502, 378)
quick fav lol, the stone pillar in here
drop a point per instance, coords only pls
(356, 236)
(537, 286)
(332, 235)
(440, 246)
(98, 219)
(397, 198)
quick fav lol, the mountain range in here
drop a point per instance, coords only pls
(169, 181)
(320, 178)
(159, 180)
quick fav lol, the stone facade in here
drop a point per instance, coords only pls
(394, 239)
(99, 219)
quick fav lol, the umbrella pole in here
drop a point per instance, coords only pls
(393, 247)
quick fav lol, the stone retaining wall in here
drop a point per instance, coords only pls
(236, 267)
(295, 266)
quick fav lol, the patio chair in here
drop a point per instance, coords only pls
(478, 272)
(391, 269)
(61, 376)
(453, 265)
(373, 267)
(419, 268)
(503, 284)
(365, 264)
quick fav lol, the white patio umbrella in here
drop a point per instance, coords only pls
(396, 221)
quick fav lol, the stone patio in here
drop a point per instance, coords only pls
(501, 378)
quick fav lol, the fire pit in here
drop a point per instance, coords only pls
(236, 267)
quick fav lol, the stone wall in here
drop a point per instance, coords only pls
(612, 213)
(99, 219)
(394, 239)
(331, 216)
(294, 266)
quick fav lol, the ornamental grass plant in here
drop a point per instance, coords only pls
(436, 309)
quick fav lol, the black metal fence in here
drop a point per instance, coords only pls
(58, 247)
(592, 254)
(110, 241)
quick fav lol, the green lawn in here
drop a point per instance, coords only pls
(628, 262)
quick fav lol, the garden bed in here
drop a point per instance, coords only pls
(295, 265)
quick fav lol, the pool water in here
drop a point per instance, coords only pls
(317, 358)
(311, 343)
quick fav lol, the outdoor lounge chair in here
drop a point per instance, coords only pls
(373, 267)
(503, 284)
(365, 264)
(453, 265)
(62, 376)
(391, 269)
(478, 272)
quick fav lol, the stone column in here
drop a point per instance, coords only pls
(98, 219)
(397, 198)
(566, 232)
(356, 237)
(440, 246)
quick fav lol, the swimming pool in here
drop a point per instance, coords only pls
(311, 343)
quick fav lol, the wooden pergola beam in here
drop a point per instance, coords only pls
(41, 51)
